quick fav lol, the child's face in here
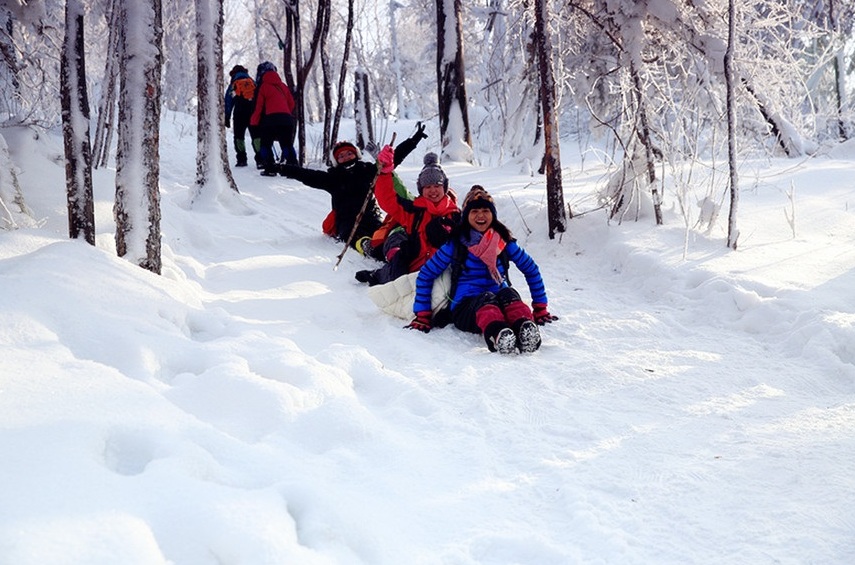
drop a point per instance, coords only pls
(433, 192)
(480, 219)
(345, 155)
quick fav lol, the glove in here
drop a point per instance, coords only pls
(372, 149)
(228, 123)
(421, 323)
(438, 230)
(420, 132)
(386, 159)
(541, 314)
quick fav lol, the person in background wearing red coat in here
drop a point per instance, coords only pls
(274, 116)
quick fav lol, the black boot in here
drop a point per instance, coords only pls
(366, 277)
(528, 336)
(241, 159)
(500, 337)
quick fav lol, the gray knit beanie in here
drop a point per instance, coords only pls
(431, 173)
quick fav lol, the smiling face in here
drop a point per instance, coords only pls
(480, 219)
(433, 192)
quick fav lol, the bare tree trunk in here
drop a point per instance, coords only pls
(107, 105)
(732, 232)
(299, 81)
(839, 73)
(212, 162)
(396, 61)
(7, 51)
(451, 83)
(327, 77)
(75, 127)
(644, 137)
(339, 107)
(137, 206)
(556, 213)
(362, 110)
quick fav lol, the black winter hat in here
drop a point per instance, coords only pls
(431, 173)
(238, 69)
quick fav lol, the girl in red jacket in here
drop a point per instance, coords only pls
(274, 117)
(425, 222)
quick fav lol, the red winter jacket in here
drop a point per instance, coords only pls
(406, 212)
(272, 97)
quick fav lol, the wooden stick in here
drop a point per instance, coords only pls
(361, 213)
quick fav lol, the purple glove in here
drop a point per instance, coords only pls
(541, 314)
(386, 159)
(421, 323)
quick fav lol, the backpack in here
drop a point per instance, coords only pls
(244, 88)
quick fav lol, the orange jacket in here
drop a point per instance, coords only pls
(415, 215)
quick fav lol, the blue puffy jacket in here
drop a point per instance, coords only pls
(474, 277)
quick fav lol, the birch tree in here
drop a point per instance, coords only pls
(557, 216)
(212, 166)
(105, 123)
(137, 205)
(339, 108)
(451, 83)
(75, 127)
(732, 232)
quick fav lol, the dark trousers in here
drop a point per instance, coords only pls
(400, 262)
(279, 128)
(240, 125)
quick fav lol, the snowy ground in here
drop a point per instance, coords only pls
(692, 404)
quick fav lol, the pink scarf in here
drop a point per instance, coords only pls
(488, 250)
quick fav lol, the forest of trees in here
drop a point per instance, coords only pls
(654, 85)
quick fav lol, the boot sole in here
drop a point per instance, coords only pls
(528, 340)
(506, 342)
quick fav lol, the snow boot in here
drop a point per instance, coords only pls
(241, 159)
(527, 336)
(366, 277)
(500, 338)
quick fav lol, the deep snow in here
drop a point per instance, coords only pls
(693, 404)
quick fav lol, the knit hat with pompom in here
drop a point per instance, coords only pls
(431, 173)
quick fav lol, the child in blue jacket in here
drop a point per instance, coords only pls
(482, 299)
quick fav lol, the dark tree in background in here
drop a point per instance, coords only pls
(451, 82)
(732, 232)
(107, 105)
(554, 188)
(362, 110)
(75, 127)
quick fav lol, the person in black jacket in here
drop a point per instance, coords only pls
(350, 181)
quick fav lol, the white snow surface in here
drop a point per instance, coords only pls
(252, 406)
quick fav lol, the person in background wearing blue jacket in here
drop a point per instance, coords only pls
(482, 300)
(239, 97)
